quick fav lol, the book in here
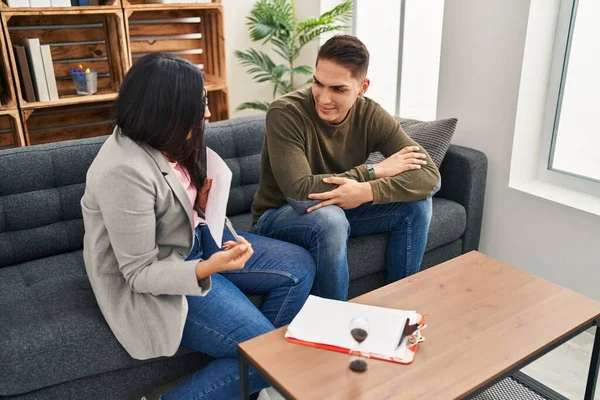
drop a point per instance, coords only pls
(40, 3)
(49, 72)
(24, 73)
(18, 3)
(36, 67)
(60, 3)
(326, 324)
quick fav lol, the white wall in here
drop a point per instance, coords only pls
(482, 52)
(241, 86)
(421, 58)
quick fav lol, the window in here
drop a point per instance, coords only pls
(404, 38)
(571, 138)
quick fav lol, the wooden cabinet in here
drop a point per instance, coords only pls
(108, 38)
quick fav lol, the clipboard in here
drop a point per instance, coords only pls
(323, 323)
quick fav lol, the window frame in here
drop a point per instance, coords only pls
(567, 16)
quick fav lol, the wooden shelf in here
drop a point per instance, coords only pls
(68, 122)
(8, 97)
(173, 6)
(95, 39)
(212, 85)
(194, 33)
(62, 10)
(65, 101)
(218, 104)
(108, 38)
(11, 130)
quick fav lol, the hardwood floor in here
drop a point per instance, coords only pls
(566, 368)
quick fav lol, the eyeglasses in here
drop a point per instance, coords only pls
(205, 97)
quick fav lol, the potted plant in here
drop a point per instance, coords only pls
(274, 23)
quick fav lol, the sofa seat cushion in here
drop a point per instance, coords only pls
(367, 254)
(51, 329)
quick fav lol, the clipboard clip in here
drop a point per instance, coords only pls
(412, 334)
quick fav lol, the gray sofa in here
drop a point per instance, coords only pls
(54, 342)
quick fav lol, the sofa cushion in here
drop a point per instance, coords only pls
(367, 254)
(52, 330)
(40, 190)
(434, 136)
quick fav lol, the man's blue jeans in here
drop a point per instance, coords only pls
(325, 231)
(216, 323)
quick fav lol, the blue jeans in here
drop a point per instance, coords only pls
(325, 232)
(282, 272)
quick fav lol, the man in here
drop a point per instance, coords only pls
(315, 190)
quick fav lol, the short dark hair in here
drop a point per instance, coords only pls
(160, 103)
(347, 51)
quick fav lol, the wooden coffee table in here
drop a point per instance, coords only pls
(486, 320)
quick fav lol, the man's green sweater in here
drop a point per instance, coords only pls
(300, 150)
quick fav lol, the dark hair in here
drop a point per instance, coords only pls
(160, 103)
(347, 51)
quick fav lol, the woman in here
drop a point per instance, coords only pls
(159, 278)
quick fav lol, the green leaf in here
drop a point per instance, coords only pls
(284, 88)
(259, 63)
(330, 21)
(282, 47)
(254, 105)
(303, 39)
(303, 69)
(337, 15)
(341, 12)
(270, 18)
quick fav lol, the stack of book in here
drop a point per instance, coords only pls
(36, 71)
(38, 3)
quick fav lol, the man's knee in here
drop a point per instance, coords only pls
(417, 211)
(423, 209)
(300, 264)
(331, 223)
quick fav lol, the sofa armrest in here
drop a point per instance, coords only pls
(464, 175)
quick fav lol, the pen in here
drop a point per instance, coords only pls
(233, 232)
(402, 333)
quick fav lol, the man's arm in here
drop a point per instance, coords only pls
(289, 163)
(411, 185)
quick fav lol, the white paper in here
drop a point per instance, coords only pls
(216, 205)
(327, 321)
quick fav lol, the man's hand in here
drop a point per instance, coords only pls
(407, 159)
(202, 195)
(349, 194)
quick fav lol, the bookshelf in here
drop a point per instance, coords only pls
(11, 131)
(109, 38)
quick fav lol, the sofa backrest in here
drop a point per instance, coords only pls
(40, 190)
(239, 142)
(41, 187)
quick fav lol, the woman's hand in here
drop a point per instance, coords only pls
(234, 257)
(202, 195)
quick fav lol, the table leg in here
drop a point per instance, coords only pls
(590, 388)
(244, 377)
